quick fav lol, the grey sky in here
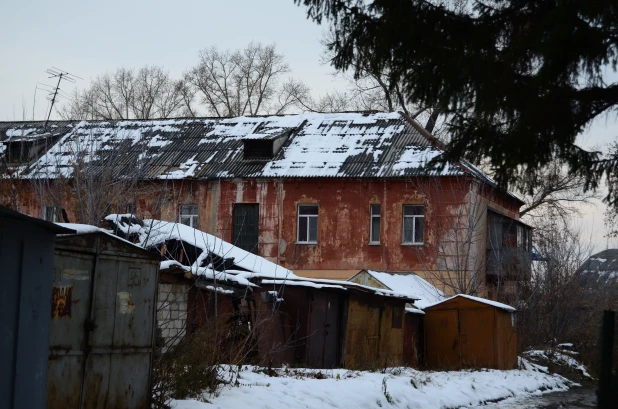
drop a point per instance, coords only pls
(89, 38)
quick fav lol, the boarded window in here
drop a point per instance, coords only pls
(413, 224)
(374, 235)
(246, 227)
(189, 215)
(308, 223)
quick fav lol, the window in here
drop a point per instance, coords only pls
(246, 226)
(307, 223)
(51, 213)
(131, 209)
(374, 234)
(413, 224)
(189, 215)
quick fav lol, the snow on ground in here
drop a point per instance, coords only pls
(397, 388)
(559, 357)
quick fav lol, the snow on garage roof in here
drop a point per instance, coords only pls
(410, 284)
(477, 299)
(154, 232)
(319, 145)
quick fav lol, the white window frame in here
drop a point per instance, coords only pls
(371, 217)
(193, 217)
(413, 217)
(308, 217)
(55, 214)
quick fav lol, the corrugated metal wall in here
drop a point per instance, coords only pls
(103, 317)
(26, 260)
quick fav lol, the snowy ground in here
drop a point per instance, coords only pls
(562, 357)
(395, 388)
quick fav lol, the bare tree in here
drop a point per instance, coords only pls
(371, 90)
(454, 255)
(563, 302)
(553, 189)
(125, 94)
(245, 82)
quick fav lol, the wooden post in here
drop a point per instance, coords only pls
(606, 395)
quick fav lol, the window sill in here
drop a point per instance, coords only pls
(413, 244)
(307, 242)
(374, 243)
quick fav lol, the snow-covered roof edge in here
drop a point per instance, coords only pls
(88, 229)
(477, 299)
(344, 285)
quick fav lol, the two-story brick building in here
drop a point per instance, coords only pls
(324, 195)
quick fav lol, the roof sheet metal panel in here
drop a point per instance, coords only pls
(366, 145)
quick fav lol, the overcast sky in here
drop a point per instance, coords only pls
(90, 38)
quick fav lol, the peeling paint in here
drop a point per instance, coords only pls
(125, 306)
(62, 299)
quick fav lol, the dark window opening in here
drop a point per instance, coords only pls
(246, 226)
(52, 213)
(258, 149)
(131, 209)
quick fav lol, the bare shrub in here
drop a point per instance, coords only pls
(202, 362)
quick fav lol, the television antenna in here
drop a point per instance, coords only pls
(55, 92)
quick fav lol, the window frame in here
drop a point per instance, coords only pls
(413, 217)
(193, 217)
(371, 217)
(308, 217)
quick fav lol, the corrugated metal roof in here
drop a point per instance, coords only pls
(365, 145)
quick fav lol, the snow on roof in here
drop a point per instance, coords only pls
(83, 228)
(154, 232)
(477, 299)
(319, 145)
(341, 285)
(603, 264)
(410, 284)
(87, 229)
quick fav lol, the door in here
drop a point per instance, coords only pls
(442, 339)
(246, 226)
(477, 337)
(70, 311)
(323, 343)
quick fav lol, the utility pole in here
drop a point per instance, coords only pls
(61, 75)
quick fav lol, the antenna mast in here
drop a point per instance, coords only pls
(61, 75)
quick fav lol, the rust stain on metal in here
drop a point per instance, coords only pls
(62, 301)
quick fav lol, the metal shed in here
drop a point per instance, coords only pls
(103, 322)
(466, 331)
(26, 261)
(329, 324)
